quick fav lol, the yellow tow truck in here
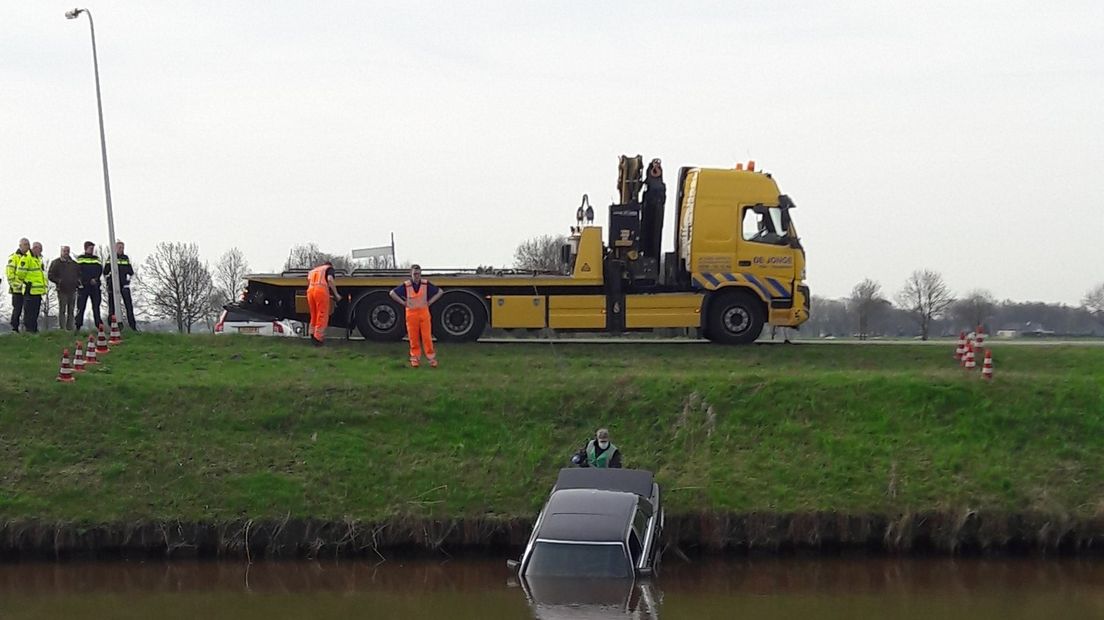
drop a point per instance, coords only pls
(737, 264)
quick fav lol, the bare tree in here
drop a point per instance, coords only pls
(540, 253)
(1094, 302)
(866, 299)
(308, 255)
(229, 276)
(925, 297)
(178, 284)
(975, 308)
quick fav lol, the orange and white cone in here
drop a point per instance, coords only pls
(980, 336)
(90, 358)
(971, 363)
(960, 348)
(987, 367)
(101, 342)
(78, 357)
(116, 335)
(65, 373)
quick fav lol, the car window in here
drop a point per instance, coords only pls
(573, 560)
(635, 547)
(239, 317)
(640, 523)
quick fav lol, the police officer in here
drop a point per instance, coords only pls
(599, 452)
(32, 273)
(126, 272)
(15, 286)
(90, 272)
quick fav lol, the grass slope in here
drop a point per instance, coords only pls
(225, 427)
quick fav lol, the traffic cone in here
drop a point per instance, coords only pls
(65, 373)
(987, 367)
(101, 341)
(90, 352)
(971, 363)
(980, 336)
(960, 348)
(78, 358)
(116, 335)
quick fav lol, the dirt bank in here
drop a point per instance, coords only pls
(966, 533)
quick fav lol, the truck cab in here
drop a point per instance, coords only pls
(736, 235)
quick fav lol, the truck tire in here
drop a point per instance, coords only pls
(459, 317)
(379, 319)
(734, 318)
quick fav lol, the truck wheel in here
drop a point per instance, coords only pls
(458, 317)
(735, 318)
(380, 319)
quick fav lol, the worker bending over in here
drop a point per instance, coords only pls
(598, 452)
(418, 295)
(320, 286)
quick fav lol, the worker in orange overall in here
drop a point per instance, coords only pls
(320, 287)
(418, 295)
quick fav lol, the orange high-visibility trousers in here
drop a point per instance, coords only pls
(419, 329)
(318, 299)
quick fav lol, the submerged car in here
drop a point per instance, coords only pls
(597, 523)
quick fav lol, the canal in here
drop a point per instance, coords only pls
(482, 589)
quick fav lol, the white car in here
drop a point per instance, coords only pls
(237, 322)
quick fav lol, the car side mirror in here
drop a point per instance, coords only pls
(512, 564)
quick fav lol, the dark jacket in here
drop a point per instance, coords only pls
(126, 270)
(65, 273)
(90, 269)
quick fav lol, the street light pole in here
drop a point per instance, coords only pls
(119, 309)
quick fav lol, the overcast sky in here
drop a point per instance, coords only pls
(964, 137)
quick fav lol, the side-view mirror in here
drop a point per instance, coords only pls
(512, 564)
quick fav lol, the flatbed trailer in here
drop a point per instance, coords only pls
(738, 264)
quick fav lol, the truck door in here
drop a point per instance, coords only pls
(764, 256)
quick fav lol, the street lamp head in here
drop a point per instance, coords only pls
(74, 13)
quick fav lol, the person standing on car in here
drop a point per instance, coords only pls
(32, 274)
(417, 295)
(90, 271)
(15, 286)
(126, 272)
(65, 274)
(320, 286)
(599, 452)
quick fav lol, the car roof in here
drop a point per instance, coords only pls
(587, 515)
(636, 481)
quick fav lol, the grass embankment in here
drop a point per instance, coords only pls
(222, 428)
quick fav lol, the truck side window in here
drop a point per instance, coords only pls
(763, 227)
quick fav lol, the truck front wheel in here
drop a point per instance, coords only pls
(734, 318)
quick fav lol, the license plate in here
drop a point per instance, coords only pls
(249, 330)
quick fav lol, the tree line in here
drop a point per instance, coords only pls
(925, 307)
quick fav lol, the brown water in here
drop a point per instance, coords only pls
(484, 590)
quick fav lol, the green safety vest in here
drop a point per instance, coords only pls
(30, 271)
(14, 283)
(600, 460)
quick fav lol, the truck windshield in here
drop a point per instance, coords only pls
(551, 559)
